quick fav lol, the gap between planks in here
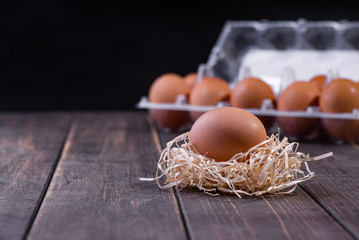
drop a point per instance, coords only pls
(64, 144)
(159, 144)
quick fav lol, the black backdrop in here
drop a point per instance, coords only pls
(58, 55)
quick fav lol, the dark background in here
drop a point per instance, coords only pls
(58, 55)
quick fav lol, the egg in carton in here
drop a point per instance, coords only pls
(281, 54)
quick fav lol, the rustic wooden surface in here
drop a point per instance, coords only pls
(294, 216)
(30, 145)
(96, 192)
(76, 176)
(336, 185)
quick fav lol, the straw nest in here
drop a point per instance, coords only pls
(273, 166)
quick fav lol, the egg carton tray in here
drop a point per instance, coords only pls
(238, 38)
(267, 109)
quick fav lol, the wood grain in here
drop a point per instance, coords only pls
(29, 149)
(336, 185)
(96, 193)
(295, 216)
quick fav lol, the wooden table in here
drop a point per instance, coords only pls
(76, 176)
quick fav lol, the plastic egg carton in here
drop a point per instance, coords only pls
(237, 37)
(228, 60)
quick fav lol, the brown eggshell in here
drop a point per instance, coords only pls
(250, 93)
(209, 91)
(339, 96)
(297, 97)
(223, 132)
(318, 81)
(190, 79)
(165, 89)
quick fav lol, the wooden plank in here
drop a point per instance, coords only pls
(336, 185)
(96, 192)
(295, 216)
(29, 149)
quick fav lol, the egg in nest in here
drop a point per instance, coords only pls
(227, 150)
(225, 131)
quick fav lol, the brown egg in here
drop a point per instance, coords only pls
(318, 81)
(297, 97)
(190, 79)
(250, 93)
(223, 132)
(339, 96)
(209, 91)
(165, 89)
